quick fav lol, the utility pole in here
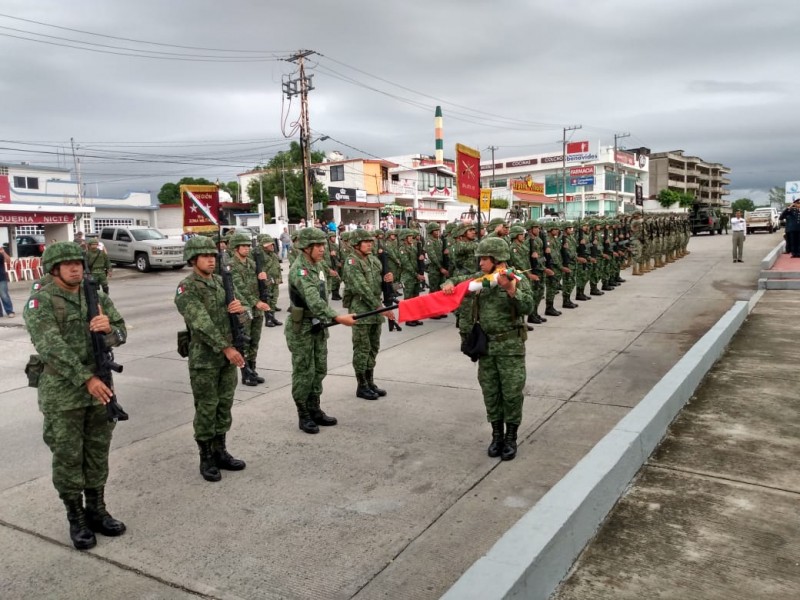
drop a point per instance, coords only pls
(77, 164)
(617, 136)
(301, 86)
(491, 184)
(564, 165)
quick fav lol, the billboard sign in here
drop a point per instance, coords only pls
(581, 180)
(5, 190)
(578, 147)
(581, 171)
(792, 191)
(625, 158)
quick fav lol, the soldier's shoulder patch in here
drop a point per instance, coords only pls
(33, 303)
(181, 289)
(302, 272)
(351, 261)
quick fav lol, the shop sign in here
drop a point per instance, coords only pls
(21, 218)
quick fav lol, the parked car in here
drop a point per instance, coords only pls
(144, 247)
(30, 245)
(762, 219)
(703, 217)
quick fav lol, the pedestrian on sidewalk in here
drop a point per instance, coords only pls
(739, 230)
(5, 299)
(791, 215)
(71, 397)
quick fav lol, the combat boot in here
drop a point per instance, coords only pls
(551, 311)
(635, 269)
(496, 447)
(363, 390)
(317, 414)
(224, 460)
(535, 319)
(335, 295)
(371, 383)
(97, 515)
(208, 467)
(247, 377)
(82, 537)
(594, 290)
(305, 422)
(567, 303)
(581, 295)
(618, 280)
(607, 287)
(510, 442)
(254, 374)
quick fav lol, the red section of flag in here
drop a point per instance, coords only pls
(431, 305)
(577, 147)
(195, 217)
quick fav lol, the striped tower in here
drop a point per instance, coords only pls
(437, 124)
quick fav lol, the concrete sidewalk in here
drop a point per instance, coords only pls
(713, 513)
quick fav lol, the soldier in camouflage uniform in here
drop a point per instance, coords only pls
(363, 287)
(245, 279)
(408, 263)
(335, 261)
(583, 249)
(520, 256)
(71, 398)
(501, 309)
(434, 250)
(99, 264)
(539, 269)
(498, 228)
(271, 265)
(553, 282)
(200, 299)
(637, 232)
(569, 264)
(293, 252)
(309, 346)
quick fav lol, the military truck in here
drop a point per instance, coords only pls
(704, 218)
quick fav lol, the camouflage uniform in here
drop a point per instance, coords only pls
(433, 249)
(569, 259)
(583, 248)
(501, 372)
(76, 426)
(408, 264)
(538, 265)
(309, 300)
(245, 280)
(363, 279)
(553, 282)
(271, 266)
(99, 264)
(334, 261)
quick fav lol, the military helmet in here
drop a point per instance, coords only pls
(361, 235)
(264, 239)
(431, 227)
(60, 252)
(309, 236)
(198, 245)
(530, 224)
(492, 225)
(92, 239)
(516, 230)
(239, 239)
(495, 247)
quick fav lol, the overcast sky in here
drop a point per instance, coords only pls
(715, 78)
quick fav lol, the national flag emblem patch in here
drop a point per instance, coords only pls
(36, 286)
(351, 261)
(33, 303)
(180, 290)
(302, 272)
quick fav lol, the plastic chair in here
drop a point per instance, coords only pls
(13, 273)
(36, 267)
(27, 270)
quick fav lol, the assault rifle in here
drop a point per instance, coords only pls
(240, 338)
(317, 325)
(445, 254)
(103, 356)
(263, 290)
(421, 263)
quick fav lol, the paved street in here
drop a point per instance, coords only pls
(378, 507)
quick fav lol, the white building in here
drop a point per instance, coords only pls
(46, 201)
(586, 183)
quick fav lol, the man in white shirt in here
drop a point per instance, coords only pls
(739, 230)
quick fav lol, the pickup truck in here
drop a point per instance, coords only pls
(704, 218)
(144, 247)
(762, 219)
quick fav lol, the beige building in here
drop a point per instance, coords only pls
(706, 181)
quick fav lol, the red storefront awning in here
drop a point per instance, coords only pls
(524, 198)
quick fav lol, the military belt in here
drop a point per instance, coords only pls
(507, 335)
(51, 371)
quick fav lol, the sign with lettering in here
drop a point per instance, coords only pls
(468, 174)
(521, 163)
(578, 147)
(581, 171)
(527, 186)
(200, 205)
(581, 180)
(33, 218)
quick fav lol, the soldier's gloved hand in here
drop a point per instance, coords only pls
(99, 390)
(233, 356)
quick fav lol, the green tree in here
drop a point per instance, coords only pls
(668, 197)
(284, 171)
(742, 204)
(170, 192)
